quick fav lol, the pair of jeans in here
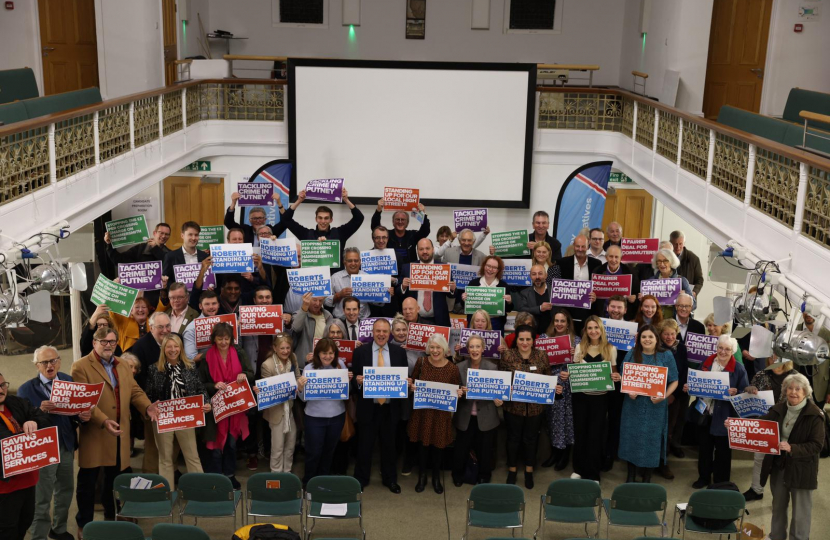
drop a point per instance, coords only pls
(321, 438)
(223, 461)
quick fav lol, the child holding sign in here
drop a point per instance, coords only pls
(644, 423)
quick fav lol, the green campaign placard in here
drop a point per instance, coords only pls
(490, 299)
(590, 377)
(210, 234)
(510, 243)
(320, 253)
(128, 231)
(119, 298)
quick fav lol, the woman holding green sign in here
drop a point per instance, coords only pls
(490, 275)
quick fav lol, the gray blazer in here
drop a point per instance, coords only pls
(486, 411)
(302, 331)
(454, 253)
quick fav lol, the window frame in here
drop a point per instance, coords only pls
(557, 21)
(276, 23)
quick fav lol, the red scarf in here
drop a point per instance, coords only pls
(226, 371)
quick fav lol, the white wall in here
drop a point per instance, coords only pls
(590, 34)
(19, 46)
(795, 60)
(188, 37)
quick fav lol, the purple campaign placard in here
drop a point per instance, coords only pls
(492, 340)
(325, 189)
(571, 293)
(364, 329)
(475, 220)
(143, 276)
(187, 274)
(699, 347)
(665, 290)
(255, 193)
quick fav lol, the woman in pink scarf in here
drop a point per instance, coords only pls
(224, 364)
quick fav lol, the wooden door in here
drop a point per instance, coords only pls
(189, 198)
(68, 45)
(168, 16)
(737, 55)
(631, 208)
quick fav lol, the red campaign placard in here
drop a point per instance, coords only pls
(759, 436)
(236, 398)
(644, 380)
(395, 198)
(181, 413)
(458, 322)
(430, 277)
(260, 320)
(71, 398)
(25, 453)
(606, 286)
(639, 250)
(204, 327)
(419, 333)
(558, 349)
(346, 349)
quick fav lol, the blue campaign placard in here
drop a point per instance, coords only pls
(435, 395)
(326, 384)
(461, 274)
(706, 384)
(316, 280)
(753, 405)
(372, 288)
(621, 334)
(533, 388)
(276, 390)
(488, 384)
(279, 252)
(517, 272)
(385, 382)
(379, 261)
(232, 258)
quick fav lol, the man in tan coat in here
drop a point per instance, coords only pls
(100, 443)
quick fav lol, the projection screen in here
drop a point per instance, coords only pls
(460, 132)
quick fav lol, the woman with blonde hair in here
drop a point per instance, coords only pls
(543, 254)
(716, 330)
(174, 377)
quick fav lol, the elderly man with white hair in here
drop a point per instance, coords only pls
(56, 481)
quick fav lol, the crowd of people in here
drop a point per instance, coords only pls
(152, 355)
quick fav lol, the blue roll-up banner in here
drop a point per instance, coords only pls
(278, 172)
(581, 202)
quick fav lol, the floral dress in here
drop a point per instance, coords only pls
(561, 414)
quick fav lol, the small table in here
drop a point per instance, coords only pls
(226, 38)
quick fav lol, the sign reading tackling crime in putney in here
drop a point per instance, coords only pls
(369, 288)
(118, 298)
(665, 290)
(644, 380)
(430, 277)
(364, 329)
(492, 341)
(187, 274)
(490, 299)
(475, 220)
(385, 382)
(700, 347)
(234, 399)
(320, 253)
(533, 388)
(517, 272)
(71, 398)
(279, 252)
(232, 258)
(405, 199)
(255, 193)
(128, 231)
(462, 274)
(510, 243)
(557, 348)
(276, 390)
(620, 334)
(325, 189)
(638, 250)
(181, 413)
(757, 436)
(204, 326)
(435, 395)
(260, 320)
(379, 261)
(572, 293)
(24, 453)
(317, 280)
(488, 384)
(416, 339)
(750, 405)
(708, 384)
(590, 377)
(143, 276)
(608, 285)
(326, 384)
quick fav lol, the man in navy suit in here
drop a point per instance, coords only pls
(432, 306)
(55, 480)
(377, 417)
(187, 254)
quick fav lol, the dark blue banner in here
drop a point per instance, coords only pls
(581, 201)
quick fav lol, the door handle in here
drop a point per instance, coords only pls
(758, 72)
(48, 49)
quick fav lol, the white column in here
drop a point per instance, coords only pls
(750, 175)
(800, 201)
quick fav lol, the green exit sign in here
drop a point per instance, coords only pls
(202, 166)
(620, 178)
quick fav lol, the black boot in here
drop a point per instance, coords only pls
(422, 482)
(555, 454)
(511, 477)
(436, 482)
(563, 459)
(632, 474)
(646, 475)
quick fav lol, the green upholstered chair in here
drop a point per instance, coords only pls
(110, 530)
(143, 503)
(716, 504)
(495, 506)
(13, 112)
(340, 490)
(800, 99)
(174, 531)
(571, 501)
(207, 495)
(62, 102)
(636, 505)
(17, 84)
(275, 495)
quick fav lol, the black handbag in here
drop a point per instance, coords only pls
(702, 419)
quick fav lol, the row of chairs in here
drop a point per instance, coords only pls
(502, 506)
(267, 495)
